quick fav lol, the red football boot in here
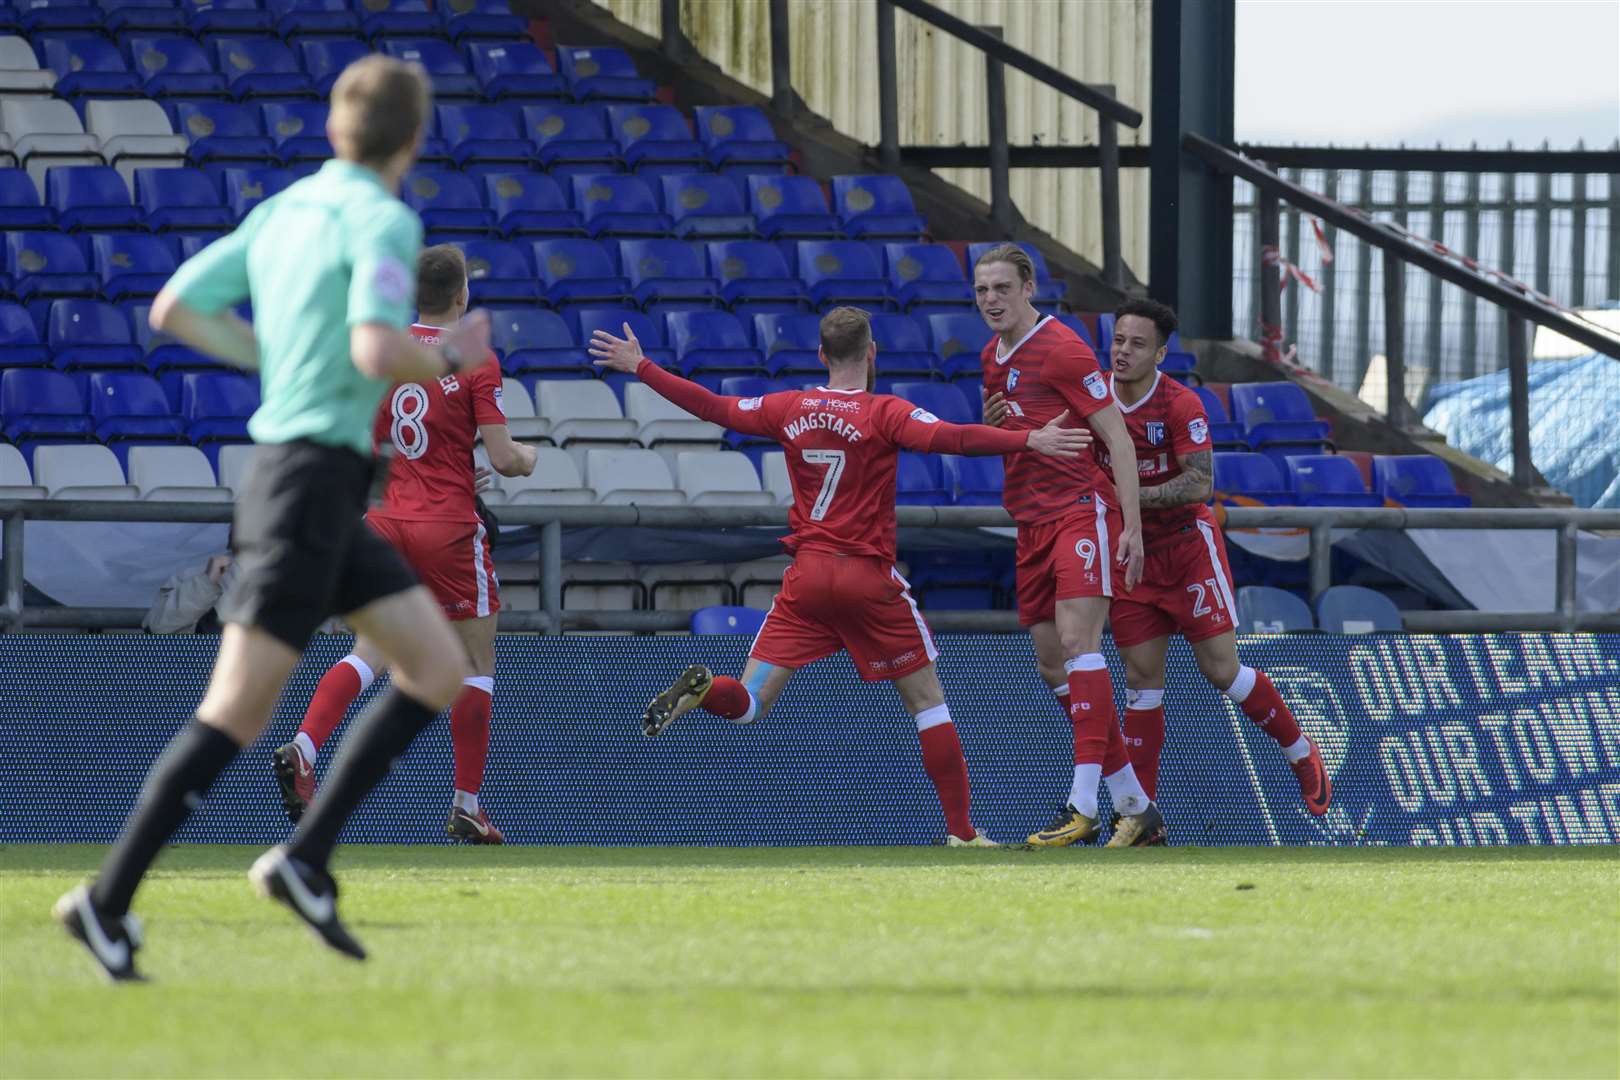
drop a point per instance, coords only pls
(1314, 786)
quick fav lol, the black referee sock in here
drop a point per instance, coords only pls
(379, 737)
(174, 786)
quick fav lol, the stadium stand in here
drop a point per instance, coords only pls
(1351, 609)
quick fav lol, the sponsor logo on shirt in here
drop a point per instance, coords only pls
(1096, 386)
(392, 280)
(923, 416)
(1012, 379)
(499, 404)
(750, 404)
(1082, 500)
(839, 404)
(1155, 432)
(1198, 430)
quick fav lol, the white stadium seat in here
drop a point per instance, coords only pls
(519, 410)
(633, 477)
(47, 132)
(234, 460)
(179, 473)
(660, 420)
(758, 582)
(8, 159)
(19, 69)
(606, 586)
(582, 410)
(135, 134)
(80, 472)
(774, 467)
(683, 587)
(15, 480)
(720, 478)
(554, 482)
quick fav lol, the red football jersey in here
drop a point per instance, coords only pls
(1049, 371)
(1166, 425)
(432, 427)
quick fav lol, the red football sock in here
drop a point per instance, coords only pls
(727, 698)
(1144, 741)
(337, 690)
(943, 761)
(469, 732)
(1116, 755)
(1091, 708)
(1266, 708)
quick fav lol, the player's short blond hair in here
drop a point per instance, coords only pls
(379, 107)
(1010, 253)
(441, 274)
(846, 333)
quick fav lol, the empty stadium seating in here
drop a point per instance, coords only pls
(1264, 610)
(1351, 609)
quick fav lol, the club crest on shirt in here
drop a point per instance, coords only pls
(1198, 430)
(499, 404)
(392, 280)
(1012, 379)
(750, 404)
(1096, 385)
(923, 416)
(1155, 432)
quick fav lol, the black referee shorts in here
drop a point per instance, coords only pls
(302, 546)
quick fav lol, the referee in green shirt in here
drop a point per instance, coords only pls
(329, 265)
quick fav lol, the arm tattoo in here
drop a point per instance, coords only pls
(1192, 486)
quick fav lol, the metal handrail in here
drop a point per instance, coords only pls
(1321, 521)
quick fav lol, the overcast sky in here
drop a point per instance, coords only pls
(1382, 71)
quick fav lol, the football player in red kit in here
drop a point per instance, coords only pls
(1186, 585)
(429, 515)
(842, 444)
(1079, 537)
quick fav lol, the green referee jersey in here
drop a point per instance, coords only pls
(331, 251)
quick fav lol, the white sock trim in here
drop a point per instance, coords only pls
(1144, 699)
(753, 709)
(1083, 791)
(1243, 685)
(1299, 751)
(306, 746)
(466, 800)
(1091, 661)
(1061, 691)
(1128, 794)
(362, 669)
(939, 714)
(486, 683)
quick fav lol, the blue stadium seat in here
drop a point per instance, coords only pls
(1351, 609)
(903, 348)
(247, 188)
(216, 406)
(298, 129)
(1176, 364)
(10, 20)
(1416, 480)
(1078, 325)
(974, 481)
(87, 65)
(1252, 476)
(655, 139)
(614, 204)
(938, 398)
(175, 67)
(1047, 290)
(727, 620)
(926, 277)
(310, 18)
(500, 273)
(535, 340)
(240, 18)
(571, 139)
(90, 197)
(877, 207)
(1276, 412)
(752, 271)
(90, 334)
(448, 202)
(704, 206)
(790, 343)
(325, 59)
(400, 18)
(37, 404)
(131, 264)
(1264, 610)
(19, 338)
(791, 207)
(57, 16)
(179, 200)
(712, 341)
(1223, 434)
(740, 138)
(482, 20)
(127, 407)
(669, 273)
(649, 329)
(515, 71)
(579, 272)
(750, 386)
(920, 481)
(193, 242)
(602, 72)
(445, 66)
(19, 203)
(1327, 480)
(958, 340)
(260, 67)
(143, 16)
(530, 204)
(223, 131)
(48, 264)
(842, 272)
(486, 137)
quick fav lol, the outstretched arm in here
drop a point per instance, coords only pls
(935, 436)
(1193, 485)
(624, 355)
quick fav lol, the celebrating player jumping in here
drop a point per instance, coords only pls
(429, 512)
(842, 592)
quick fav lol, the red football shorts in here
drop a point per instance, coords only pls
(1067, 558)
(858, 603)
(452, 559)
(1186, 588)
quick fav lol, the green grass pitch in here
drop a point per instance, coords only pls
(839, 962)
